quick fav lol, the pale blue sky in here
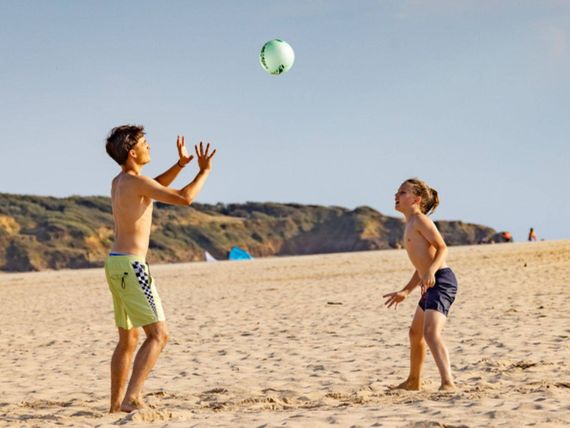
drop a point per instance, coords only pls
(472, 96)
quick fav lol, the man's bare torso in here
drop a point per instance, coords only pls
(133, 216)
(420, 251)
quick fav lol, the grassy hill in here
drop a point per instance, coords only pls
(39, 233)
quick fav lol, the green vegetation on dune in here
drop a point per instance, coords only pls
(39, 233)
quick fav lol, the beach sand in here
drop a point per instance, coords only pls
(298, 341)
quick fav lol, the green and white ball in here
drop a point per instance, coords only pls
(276, 57)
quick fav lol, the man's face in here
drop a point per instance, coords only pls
(405, 198)
(141, 151)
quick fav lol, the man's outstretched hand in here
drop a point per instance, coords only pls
(204, 157)
(183, 157)
(395, 298)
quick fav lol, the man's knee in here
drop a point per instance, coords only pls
(431, 334)
(129, 340)
(159, 334)
(163, 337)
(416, 335)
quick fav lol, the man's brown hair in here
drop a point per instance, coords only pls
(121, 139)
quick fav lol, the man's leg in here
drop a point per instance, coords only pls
(120, 365)
(434, 322)
(417, 352)
(156, 338)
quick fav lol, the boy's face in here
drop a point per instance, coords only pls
(141, 151)
(405, 198)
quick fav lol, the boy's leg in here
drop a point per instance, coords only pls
(417, 352)
(434, 322)
(156, 338)
(121, 364)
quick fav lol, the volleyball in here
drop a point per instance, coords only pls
(276, 57)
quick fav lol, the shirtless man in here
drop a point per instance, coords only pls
(427, 252)
(135, 297)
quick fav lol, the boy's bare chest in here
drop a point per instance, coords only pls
(412, 238)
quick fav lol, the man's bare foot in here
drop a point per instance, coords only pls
(408, 385)
(131, 405)
(448, 387)
(115, 408)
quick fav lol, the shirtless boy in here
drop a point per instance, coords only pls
(427, 252)
(135, 297)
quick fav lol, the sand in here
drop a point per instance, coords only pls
(298, 341)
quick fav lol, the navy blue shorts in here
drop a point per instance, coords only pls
(442, 294)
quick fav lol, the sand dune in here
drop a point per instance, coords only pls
(298, 341)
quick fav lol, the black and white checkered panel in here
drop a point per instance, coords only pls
(144, 282)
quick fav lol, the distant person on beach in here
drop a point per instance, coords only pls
(427, 252)
(135, 297)
(531, 235)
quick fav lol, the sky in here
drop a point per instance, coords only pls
(472, 96)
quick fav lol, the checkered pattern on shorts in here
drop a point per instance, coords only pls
(144, 282)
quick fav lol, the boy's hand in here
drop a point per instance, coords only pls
(395, 298)
(183, 157)
(427, 281)
(204, 158)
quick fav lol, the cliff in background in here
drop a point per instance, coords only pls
(39, 233)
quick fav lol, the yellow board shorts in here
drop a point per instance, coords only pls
(135, 297)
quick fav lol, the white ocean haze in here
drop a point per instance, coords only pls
(471, 96)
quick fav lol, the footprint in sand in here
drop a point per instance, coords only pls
(88, 413)
(146, 415)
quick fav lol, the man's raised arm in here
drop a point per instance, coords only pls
(184, 159)
(155, 190)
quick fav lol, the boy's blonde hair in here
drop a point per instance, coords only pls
(429, 197)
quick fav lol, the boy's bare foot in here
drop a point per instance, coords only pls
(408, 385)
(131, 405)
(115, 408)
(448, 387)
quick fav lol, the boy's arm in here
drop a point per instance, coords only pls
(397, 297)
(171, 173)
(427, 229)
(154, 190)
(413, 283)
